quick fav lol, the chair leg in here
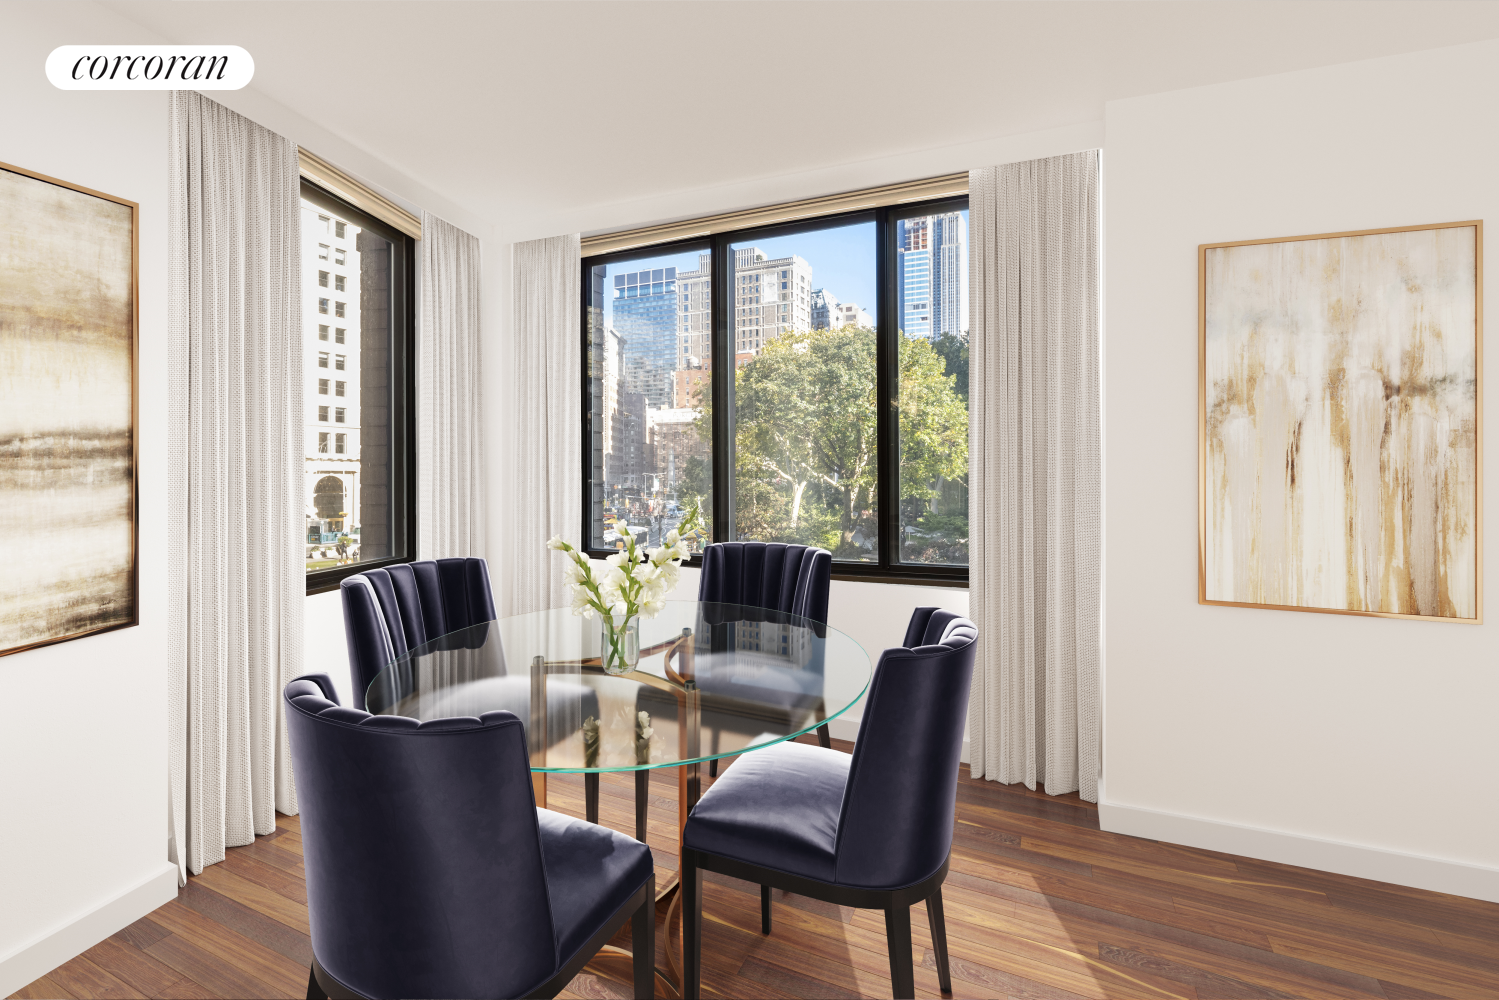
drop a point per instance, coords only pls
(765, 909)
(938, 925)
(824, 738)
(643, 942)
(591, 796)
(713, 749)
(692, 929)
(642, 803)
(314, 991)
(902, 972)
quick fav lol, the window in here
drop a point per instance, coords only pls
(826, 402)
(359, 481)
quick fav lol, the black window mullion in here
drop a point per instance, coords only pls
(887, 381)
(722, 351)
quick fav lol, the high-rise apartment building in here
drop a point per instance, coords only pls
(331, 412)
(932, 269)
(645, 315)
(771, 297)
(694, 318)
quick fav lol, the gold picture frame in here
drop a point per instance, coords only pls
(71, 374)
(1264, 304)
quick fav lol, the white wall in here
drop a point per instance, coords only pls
(1365, 746)
(83, 838)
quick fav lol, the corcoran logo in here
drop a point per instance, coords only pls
(149, 67)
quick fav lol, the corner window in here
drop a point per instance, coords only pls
(360, 486)
(824, 402)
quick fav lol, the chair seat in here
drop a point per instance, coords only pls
(591, 872)
(776, 808)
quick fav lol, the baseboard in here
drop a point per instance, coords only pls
(1416, 871)
(52, 948)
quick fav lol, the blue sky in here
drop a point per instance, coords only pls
(842, 259)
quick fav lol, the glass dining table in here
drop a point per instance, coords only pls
(711, 681)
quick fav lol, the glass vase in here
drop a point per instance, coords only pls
(619, 642)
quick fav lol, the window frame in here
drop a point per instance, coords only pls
(887, 568)
(402, 391)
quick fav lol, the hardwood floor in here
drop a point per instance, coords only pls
(1040, 903)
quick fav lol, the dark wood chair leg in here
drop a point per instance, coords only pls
(938, 925)
(692, 929)
(765, 909)
(902, 972)
(824, 738)
(314, 991)
(713, 749)
(643, 943)
(642, 803)
(591, 796)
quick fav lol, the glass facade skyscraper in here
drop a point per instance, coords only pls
(645, 315)
(932, 262)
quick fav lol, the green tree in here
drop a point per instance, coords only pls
(953, 349)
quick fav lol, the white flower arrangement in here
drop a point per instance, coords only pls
(634, 580)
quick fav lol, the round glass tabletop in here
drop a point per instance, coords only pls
(713, 680)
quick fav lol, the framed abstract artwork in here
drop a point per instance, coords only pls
(68, 321)
(1340, 423)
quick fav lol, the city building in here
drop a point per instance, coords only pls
(694, 318)
(850, 314)
(825, 310)
(689, 381)
(932, 275)
(645, 315)
(331, 310)
(674, 438)
(771, 297)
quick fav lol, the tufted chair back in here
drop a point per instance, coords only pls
(423, 854)
(896, 822)
(389, 611)
(790, 578)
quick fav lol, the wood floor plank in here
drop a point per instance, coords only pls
(44, 988)
(1041, 905)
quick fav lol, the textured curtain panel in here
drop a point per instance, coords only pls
(543, 492)
(1034, 453)
(450, 457)
(235, 492)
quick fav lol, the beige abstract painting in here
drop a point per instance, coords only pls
(67, 489)
(1340, 422)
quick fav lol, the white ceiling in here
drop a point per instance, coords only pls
(548, 106)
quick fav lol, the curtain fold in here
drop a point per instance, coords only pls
(1035, 518)
(450, 453)
(543, 494)
(236, 488)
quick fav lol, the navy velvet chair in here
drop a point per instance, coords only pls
(390, 611)
(430, 871)
(792, 579)
(871, 830)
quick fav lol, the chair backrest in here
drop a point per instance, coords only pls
(896, 822)
(389, 611)
(423, 855)
(789, 578)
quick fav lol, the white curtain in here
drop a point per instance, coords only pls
(1035, 521)
(236, 580)
(542, 491)
(450, 456)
